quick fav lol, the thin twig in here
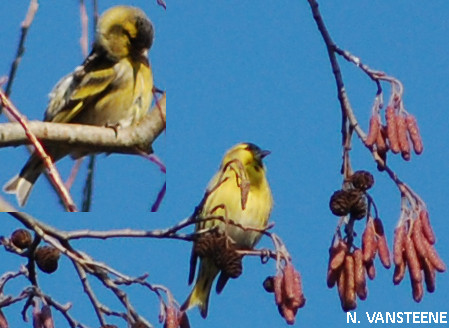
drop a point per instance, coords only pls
(89, 185)
(55, 178)
(32, 9)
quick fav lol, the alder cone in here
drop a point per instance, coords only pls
(362, 180)
(340, 203)
(205, 245)
(46, 258)
(268, 284)
(230, 262)
(139, 324)
(21, 238)
(358, 204)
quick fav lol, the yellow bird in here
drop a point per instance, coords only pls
(238, 192)
(112, 87)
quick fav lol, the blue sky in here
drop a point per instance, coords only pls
(247, 71)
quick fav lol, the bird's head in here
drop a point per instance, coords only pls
(250, 156)
(124, 31)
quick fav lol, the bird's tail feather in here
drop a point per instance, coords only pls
(201, 291)
(22, 184)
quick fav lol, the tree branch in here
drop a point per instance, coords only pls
(91, 138)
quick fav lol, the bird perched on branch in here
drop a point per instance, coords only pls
(237, 203)
(113, 87)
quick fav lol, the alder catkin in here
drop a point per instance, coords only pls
(433, 257)
(373, 131)
(390, 116)
(415, 136)
(418, 239)
(46, 317)
(429, 275)
(384, 253)
(341, 286)
(412, 260)
(404, 145)
(359, 274)
(398, 244)
(277, 282)
(381, 141)
(289, 281)
(370, 270)
(3, 321)
(417, 291)
(332, 276)
(298, 300)
(426, 227)
(350, 295)
(171, 318)
(382, 245)
(369, 243)
(337, 256)
(287, 313)
(399, 273)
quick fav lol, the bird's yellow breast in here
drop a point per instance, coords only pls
(226, 201)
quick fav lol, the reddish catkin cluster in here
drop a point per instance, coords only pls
(288, 293)
(42, 318)
(413, 248)
(349, 269)
(3, 321)
(173, 318)
(399, 134)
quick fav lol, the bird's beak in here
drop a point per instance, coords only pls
(264, 153)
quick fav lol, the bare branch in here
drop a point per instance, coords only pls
(90, 138)
(32, 9)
